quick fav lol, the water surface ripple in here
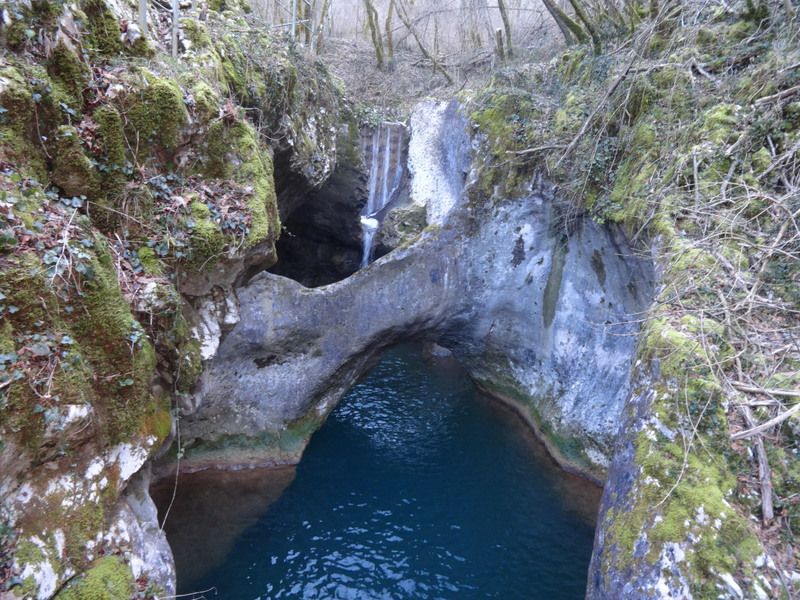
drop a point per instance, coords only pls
(416, 487)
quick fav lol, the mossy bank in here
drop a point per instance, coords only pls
(136, 191)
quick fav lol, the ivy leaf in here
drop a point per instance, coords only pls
(40, 349)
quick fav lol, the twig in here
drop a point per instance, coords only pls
(779, 96)
(766, 424)
(64, 242)
(536, 149)
(597, 108)
(789, 68)
(754, 389)
(764, 473)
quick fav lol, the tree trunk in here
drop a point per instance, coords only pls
(581, 14)
(506, 25)
(498, 44)
(323, 14)
(569, 28)
(308, 18)
(387, 30)
(374, 31)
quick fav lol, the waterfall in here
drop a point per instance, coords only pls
(369, 227)
(382, 150)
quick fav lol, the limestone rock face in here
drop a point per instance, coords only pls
(550, 324)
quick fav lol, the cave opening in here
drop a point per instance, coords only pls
(323, 235)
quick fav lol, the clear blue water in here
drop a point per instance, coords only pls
(417, 486)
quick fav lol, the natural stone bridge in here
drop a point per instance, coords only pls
(545, 320)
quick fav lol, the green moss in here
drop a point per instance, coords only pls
(108, 579)
(73, 172)
(206, 102)
(197, 33)
(122, 359)
(159, 421)
(632, 192)
(510, 121)
(112, 165)
(683, 495)
(761, 160)
(208, 241)
(103, 27)
(28, 553)
(111, 135)
(67, 69)
(720, 124)
(150, 262)
(158, 114)
(17, 123)
(234, 152)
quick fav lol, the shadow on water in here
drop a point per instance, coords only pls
(417, 486)
(211, 510)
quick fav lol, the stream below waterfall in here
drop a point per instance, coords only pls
(417, 486)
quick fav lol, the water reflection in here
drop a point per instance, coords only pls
(211, 510)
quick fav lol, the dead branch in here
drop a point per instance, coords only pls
(764, 473)
(766, 424)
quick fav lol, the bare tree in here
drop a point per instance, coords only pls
(387, 29)
(501, 5)
(403, 15)
(374, 30)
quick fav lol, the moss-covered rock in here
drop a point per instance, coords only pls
(108, 579)
(69, 71)
(103, 27)
(208, 242)
(17, 122)
(234, 152)
(73, 171)
(157, 114)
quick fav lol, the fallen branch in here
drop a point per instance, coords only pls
(767, 424)
(754, 389)
(764, 473)
(536, 149)
(779, 96)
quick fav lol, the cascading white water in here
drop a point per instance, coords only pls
(384, 152)
(369, 227)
